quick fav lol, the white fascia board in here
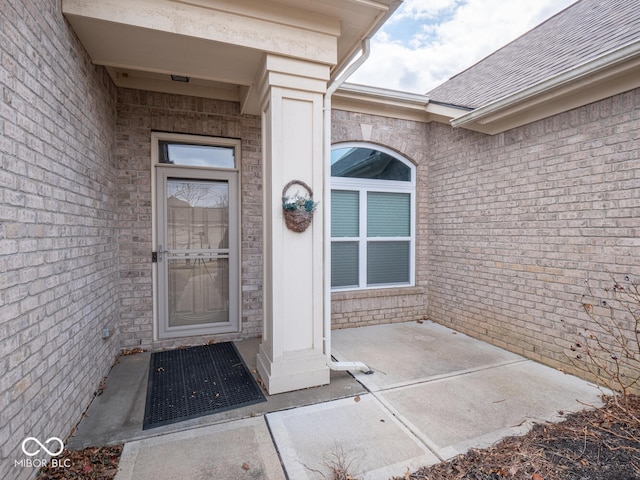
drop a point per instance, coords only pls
(444, 113)
(382, 102)
(393, 103)
(281, 30)
(383, 93)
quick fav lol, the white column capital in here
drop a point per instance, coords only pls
(291, 74)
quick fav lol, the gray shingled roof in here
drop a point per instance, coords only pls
(581, 32)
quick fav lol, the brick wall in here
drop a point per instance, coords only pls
(138, 114)
(358, 308)
(511, 226)
(518, 221)
(58, 237)
(387, 305)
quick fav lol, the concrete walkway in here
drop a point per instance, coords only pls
(435, 393)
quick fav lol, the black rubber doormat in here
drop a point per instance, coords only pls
(197, 381)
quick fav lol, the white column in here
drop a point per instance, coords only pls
(291, 354)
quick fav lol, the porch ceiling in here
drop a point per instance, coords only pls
(218, 44)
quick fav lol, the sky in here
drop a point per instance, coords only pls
(426, 42)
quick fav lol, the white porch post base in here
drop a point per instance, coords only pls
(293, 371)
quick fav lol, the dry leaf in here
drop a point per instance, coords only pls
(536, 477)
(245, 466)
(89, 463)
(133, 351)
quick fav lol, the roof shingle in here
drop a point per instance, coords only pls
(579, 33)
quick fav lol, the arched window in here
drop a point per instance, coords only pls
(372, 217)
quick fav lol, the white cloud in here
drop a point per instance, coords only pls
(427, 41)
(423, 9)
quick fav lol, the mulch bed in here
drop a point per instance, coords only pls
(87, 464)
(595, 444)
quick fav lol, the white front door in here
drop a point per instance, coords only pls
(197, 288)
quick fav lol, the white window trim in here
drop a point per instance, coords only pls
(362, 186)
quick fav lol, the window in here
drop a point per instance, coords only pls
(179, 153)
(372, 212)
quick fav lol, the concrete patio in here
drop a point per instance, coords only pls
(435, 393)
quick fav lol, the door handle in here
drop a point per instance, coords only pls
(158, 254)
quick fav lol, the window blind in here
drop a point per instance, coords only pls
(387, 262)
(344, 264)
(388, 214)
(345, 213)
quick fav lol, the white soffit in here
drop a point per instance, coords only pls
(219, 45)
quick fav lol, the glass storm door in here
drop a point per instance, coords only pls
(197, 252)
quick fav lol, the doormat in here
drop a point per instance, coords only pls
(196, 381)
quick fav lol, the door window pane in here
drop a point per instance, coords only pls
(198, 291)
(196, 155)
(388, 214)
(344, 264)
(387, 262)
(197, 214)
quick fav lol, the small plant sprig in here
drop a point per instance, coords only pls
(299, 203)
(608, 347)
